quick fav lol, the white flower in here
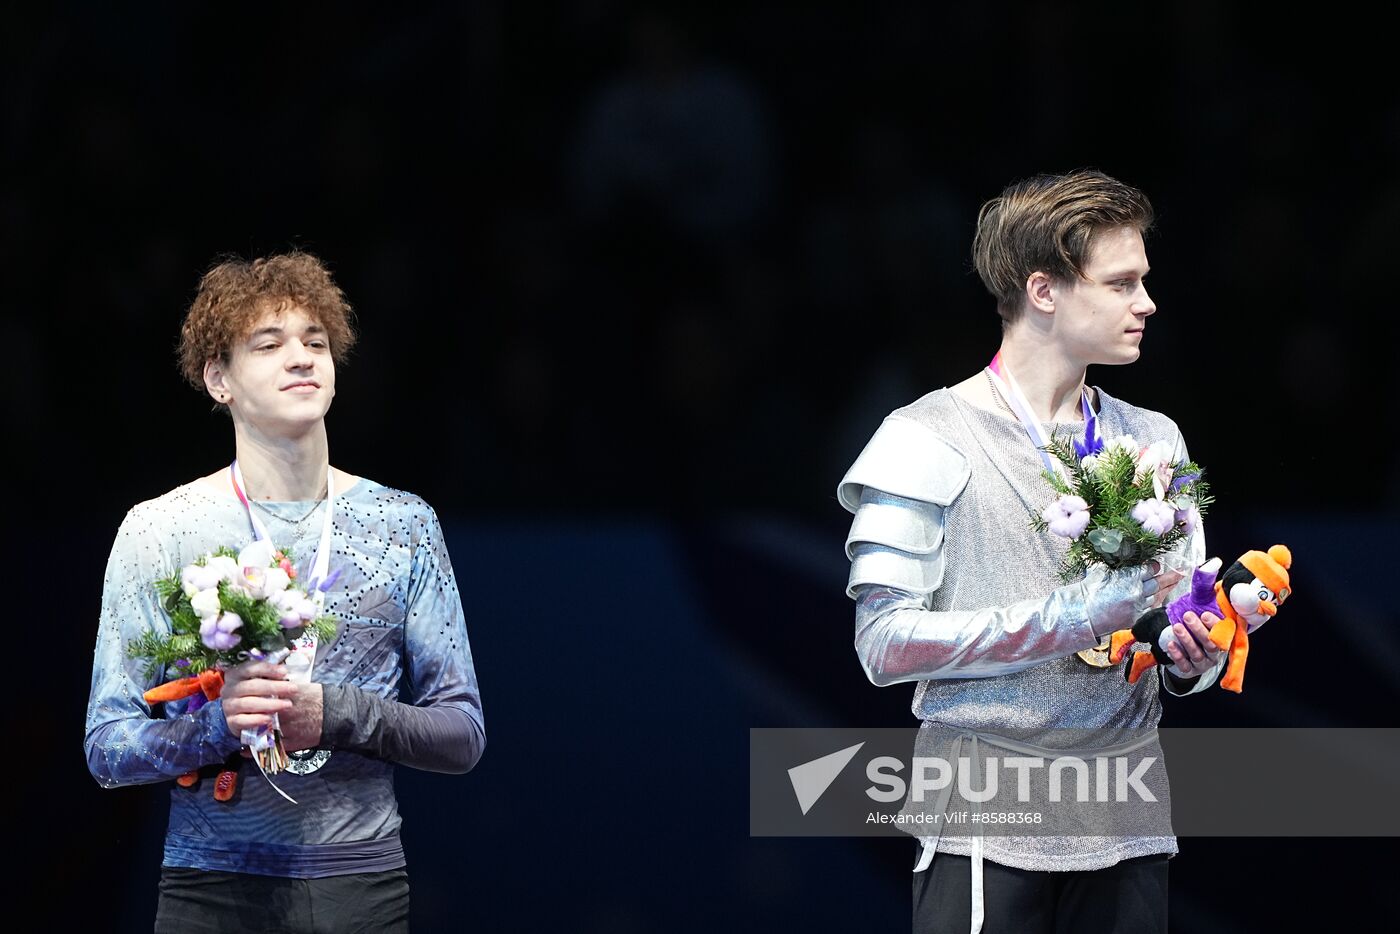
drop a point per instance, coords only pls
(1156, 459)
(1124, 442)
(306, 609)
(1154, 516)
(256, 555)
(225, 567)
(195, 578)
(288, 605)
(1162, 479)
(1089, 462)
(1067, 516)
(253, 582)
(286, 601)
(275, 580)
(206, 603)
(1158, 452)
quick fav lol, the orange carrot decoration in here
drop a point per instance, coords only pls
(211, 681)
(172, 690)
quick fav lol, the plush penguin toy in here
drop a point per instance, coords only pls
(1244, 598)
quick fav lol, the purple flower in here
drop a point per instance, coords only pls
(329, 582)
(1067, 516)
(223, 641)
(1154, 516)
(1189, 518)
(1182, 480)
(1092, 443)
(220, 632)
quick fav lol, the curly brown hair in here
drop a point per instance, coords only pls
(1048, 224)
(236, 293)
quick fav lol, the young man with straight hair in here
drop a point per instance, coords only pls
(958, 593)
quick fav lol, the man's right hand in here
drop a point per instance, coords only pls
(252, 693)
(1166, 577)
(1114, 599)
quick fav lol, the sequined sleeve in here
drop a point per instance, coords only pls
(440, 728)
(127, 741)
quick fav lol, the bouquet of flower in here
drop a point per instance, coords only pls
(227, 608)
(1120, 505)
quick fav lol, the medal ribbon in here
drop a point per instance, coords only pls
(303, 652)
(1006, 385)
(321, 561)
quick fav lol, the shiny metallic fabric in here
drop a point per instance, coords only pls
(992, 644)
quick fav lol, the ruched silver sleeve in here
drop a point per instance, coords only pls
(899, 639)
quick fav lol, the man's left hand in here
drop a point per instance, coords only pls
(1192, 653)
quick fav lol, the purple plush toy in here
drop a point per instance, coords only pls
(1155, 626)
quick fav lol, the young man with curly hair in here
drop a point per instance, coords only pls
(395, 686)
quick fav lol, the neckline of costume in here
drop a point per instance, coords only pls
(360, 485)
(1010, 420)
(320, 563)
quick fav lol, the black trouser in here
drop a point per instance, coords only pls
(1129, 897)
(193, 901)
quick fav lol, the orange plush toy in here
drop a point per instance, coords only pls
(1248, 593)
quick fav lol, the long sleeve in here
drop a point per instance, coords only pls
(126, 742)
(440, 728)
(899, 639)
(435, 739)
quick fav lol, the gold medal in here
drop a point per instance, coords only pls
(1097, 656)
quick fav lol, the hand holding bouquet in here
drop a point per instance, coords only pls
(225, 609)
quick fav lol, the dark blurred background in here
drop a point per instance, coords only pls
(635, 285)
